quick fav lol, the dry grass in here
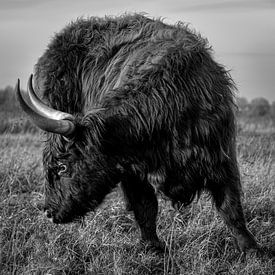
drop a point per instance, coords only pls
(197, 240)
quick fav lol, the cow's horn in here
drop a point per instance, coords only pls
(42, 108)
(39, 113)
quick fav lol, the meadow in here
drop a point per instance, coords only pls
(197, 241)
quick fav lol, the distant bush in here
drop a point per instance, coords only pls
(259, 107)
(272, 110)
(13, 120)
(243, 105)
(4, 94)
(8, 101)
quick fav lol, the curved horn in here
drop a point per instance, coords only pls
(42, 108)
(63, 126)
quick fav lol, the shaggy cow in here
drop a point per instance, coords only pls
(142, 103)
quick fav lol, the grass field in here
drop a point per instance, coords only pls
(197, 241)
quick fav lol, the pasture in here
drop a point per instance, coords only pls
(197, 241)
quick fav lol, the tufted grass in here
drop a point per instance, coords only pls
(197, 241)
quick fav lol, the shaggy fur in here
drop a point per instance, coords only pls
(152, 109)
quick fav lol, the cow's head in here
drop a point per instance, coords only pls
(78, 173)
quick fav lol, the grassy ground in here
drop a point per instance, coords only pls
(197, 240)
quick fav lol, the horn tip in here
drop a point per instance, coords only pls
(18, 84)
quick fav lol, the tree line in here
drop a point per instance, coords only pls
(256, 107)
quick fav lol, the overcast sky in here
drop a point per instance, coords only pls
(242, 33)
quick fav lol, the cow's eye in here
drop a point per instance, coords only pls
(62, 168)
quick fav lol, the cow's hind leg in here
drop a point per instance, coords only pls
(227, 197)
(128, 205)
(143, 201)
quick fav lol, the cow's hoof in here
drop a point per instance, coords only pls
(266, 252)
(128, 207)
(155, 246)
(260, 252)
(247, 243)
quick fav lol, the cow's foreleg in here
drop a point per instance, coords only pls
(143, 201)
(226, 195)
